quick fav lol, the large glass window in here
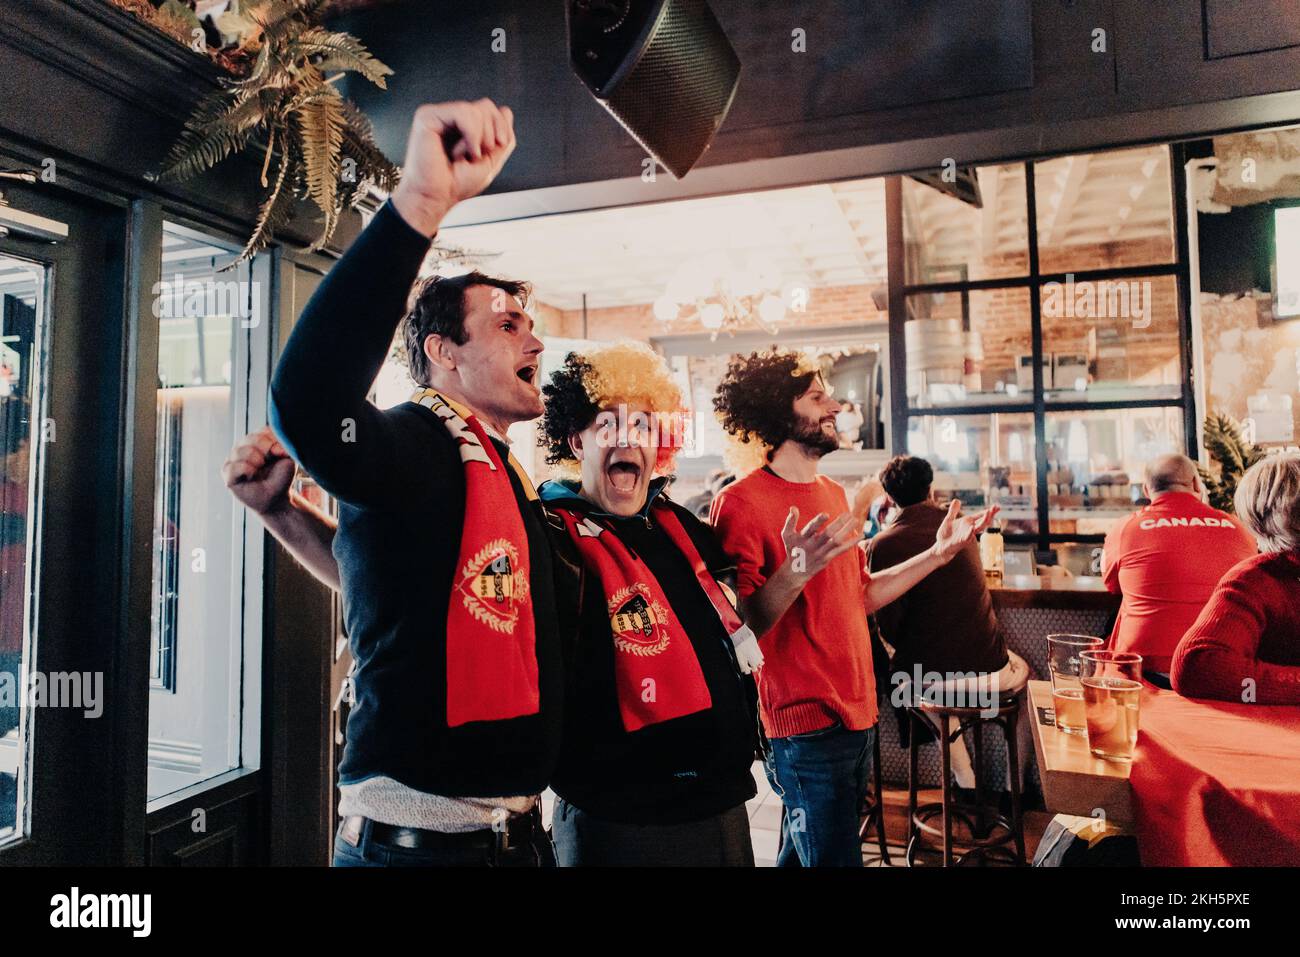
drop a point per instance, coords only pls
(1104, 210)
(982, 460)
(1112, 339)
(975, 228)
(969, 347)
(1096, 462)
(23, 317)
(1042, 303)
(210, 332)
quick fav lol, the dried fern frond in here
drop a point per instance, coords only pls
(341, 52)
(287, 106)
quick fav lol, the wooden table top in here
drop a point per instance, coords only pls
(1075, 782)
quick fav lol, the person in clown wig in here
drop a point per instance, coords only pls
(660, 720)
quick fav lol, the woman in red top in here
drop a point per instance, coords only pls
(1245, 646)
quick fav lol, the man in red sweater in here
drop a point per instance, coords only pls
(804, 589)
(1165, 559)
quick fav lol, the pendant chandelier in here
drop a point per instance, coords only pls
(723, 295)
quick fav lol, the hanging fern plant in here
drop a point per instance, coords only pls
(317, 144)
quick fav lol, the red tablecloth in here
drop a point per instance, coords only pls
(1216, 784)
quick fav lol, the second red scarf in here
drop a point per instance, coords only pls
(656, 672)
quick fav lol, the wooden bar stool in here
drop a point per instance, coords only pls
(872, 811)
(991, 832)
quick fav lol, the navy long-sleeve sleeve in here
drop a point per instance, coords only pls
(318, 401)
(400, 482)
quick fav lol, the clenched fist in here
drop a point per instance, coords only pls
(258, 472)
(454, 151)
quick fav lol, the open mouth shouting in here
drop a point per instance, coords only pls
(624, 476)
(527, 374)
(625, 479)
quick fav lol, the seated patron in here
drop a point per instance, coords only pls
(946, 623)
(1165, 559)
(1245, 645)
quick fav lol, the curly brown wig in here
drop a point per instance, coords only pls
(755, 401)
(568, 408)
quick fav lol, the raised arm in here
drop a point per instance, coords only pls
(258, 473)
(956, 531)
(318, 402)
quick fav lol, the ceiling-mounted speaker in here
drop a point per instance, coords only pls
(663, 68)
(964, 185)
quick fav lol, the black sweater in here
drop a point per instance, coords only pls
(685, 769)
(401, 490)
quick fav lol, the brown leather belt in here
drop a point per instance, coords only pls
(517, 830)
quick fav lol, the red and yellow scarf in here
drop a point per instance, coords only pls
(657, 675)
(491, 639)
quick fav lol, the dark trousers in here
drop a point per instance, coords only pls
(479, 850)
(820, 778)
(582, 840)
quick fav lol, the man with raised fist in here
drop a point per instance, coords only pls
(442, 555)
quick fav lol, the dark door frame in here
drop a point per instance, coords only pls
(75, 813)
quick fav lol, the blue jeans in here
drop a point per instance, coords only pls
(821, 778)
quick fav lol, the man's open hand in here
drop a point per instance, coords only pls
(957, 529)
(258, 472)
(454, 151)
(813, 547)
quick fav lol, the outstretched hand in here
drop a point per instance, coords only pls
(813, 547)
(957, 529)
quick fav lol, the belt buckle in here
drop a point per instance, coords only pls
(501, 831)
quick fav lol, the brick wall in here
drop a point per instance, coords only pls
(1247, 354)
(1001, 316)
(829, 306)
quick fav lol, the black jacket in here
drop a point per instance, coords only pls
(401, 490)
(685, 769)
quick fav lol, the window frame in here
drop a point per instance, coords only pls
(1034, 280)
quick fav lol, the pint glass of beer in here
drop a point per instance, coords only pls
(1111, 684)
(1064, 661)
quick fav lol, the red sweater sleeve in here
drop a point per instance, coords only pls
(1220, 651)
(738, 534)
